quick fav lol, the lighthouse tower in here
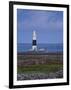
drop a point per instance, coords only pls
(34, 42)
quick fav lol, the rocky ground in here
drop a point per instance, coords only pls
(33, 76)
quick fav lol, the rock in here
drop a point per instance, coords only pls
(33, 76)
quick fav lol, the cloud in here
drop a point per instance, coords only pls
(40, 20)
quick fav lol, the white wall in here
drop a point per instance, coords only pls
(4, 47)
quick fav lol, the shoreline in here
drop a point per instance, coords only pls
(39, 53)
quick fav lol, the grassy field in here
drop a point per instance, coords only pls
(39, 62)
(39, 66)
(45, 68)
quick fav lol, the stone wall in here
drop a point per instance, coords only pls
(24, 60)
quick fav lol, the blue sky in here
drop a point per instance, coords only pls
(47, 24)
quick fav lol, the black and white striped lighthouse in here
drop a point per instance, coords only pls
(34, 42)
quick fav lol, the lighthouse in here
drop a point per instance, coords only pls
(34, 41)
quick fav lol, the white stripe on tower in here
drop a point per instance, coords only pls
(34, 42)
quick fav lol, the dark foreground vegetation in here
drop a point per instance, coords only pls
(39, 66)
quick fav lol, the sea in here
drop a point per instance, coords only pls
(46, 47)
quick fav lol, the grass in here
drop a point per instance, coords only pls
(46, 68)
(30, 63)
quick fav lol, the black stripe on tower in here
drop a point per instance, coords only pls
(34, 42)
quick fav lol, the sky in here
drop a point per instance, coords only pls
(47, 24)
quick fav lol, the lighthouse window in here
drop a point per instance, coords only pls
(34, 42)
